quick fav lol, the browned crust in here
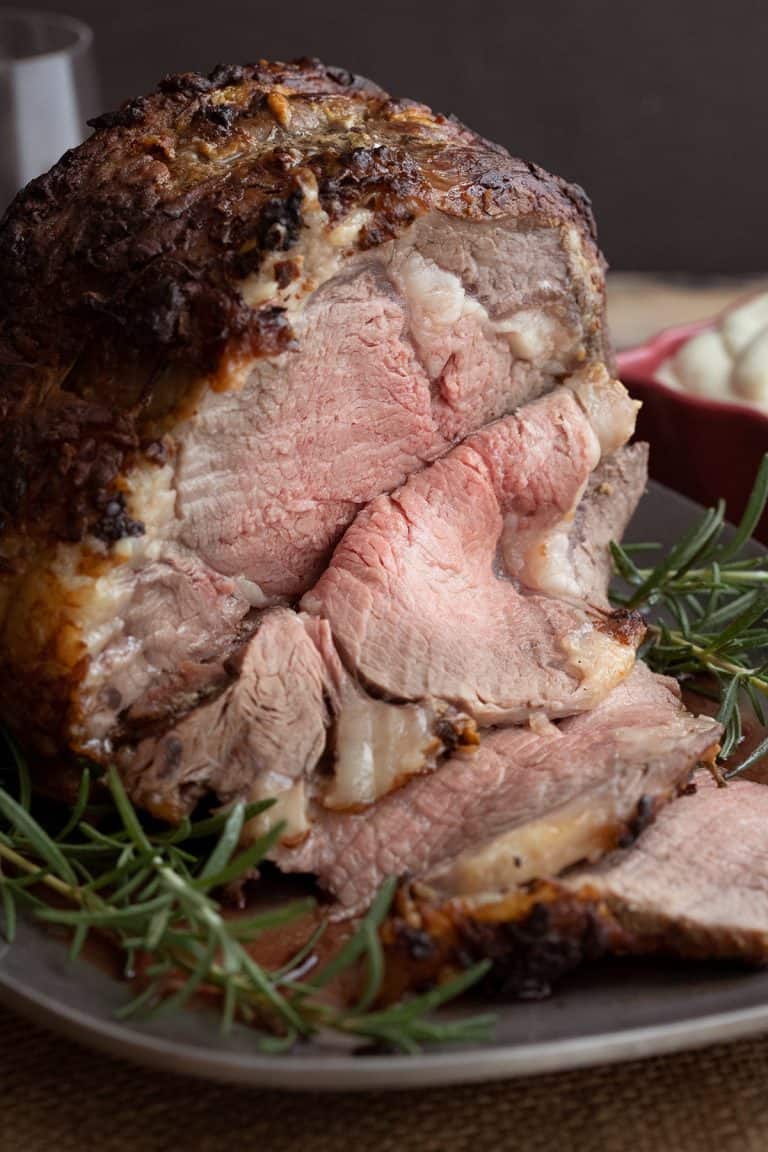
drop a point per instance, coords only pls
(535, 938)
(536, 935)
(625, 626)
(118, 267)
(532, 937)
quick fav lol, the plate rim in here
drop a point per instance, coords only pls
(351, 1073)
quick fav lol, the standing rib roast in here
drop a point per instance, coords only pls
(310, 455)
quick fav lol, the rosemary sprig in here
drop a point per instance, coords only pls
(154, 894)
(709, 603)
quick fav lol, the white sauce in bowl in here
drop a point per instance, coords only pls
(728, 361)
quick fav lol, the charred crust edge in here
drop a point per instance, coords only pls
(119, 268)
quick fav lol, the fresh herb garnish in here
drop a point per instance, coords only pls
(154, 895)
(710, 620)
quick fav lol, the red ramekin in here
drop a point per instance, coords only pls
(705, 448)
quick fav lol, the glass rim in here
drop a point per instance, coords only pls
(81, 34)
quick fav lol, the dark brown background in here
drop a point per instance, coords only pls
(657, 108)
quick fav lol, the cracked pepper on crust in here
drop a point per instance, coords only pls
(175, 294)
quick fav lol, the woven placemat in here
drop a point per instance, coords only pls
(58, 1097)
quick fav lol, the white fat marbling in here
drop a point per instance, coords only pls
(543, 847)
(378, 746)
(600, 662)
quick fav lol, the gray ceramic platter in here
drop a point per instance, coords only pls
(616, 1011)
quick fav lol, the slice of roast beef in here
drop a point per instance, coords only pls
(580, 554)
(248, 305)
(265, 736)
(529, 802)
(411, 594)
(259, 738)
(695, 884)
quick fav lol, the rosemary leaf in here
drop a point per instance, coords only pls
(357, 944)
(244, 862)
(9, 910)
(138, 1003)
(127, 811)
(38, 838)
(106, 917)
(227, 843)
(76, 814)
(248, 927)
(754, 757)
(79, 937)
(751, 517)
(201, 829)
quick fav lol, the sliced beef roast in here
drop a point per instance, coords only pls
(695, 884)
(296, 705)
(248, 305)
(529, 802)
(310, 456)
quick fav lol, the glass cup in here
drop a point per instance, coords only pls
(47, 92)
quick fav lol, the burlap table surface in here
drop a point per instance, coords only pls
(58, 1097)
